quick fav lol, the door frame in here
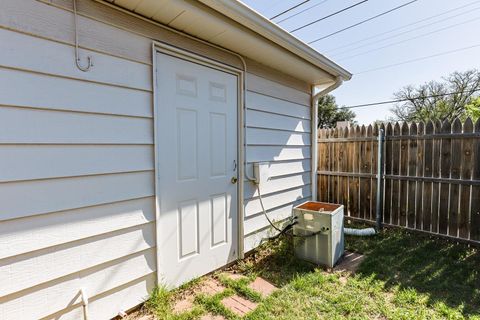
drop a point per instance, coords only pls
(160, 47)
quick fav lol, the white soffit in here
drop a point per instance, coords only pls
(236, 27)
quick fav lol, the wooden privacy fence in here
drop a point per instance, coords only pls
(430, 180)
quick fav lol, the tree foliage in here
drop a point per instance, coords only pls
(473, 109)
(421, 106)
(329, 113)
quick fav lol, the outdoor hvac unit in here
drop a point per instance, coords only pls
(319, 231)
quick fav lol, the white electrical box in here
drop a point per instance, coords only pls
(261, 172)
(319, 231)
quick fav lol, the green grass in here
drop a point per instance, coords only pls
(160, 304)
(213, 304)
(404, 276)
(241, 287)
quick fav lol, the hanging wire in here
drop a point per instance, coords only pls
(330, 51)
(288, 10)
(302, 11)
(330, 15)
(405, 100)
(362, 22)
(408, 39)
(419, 59)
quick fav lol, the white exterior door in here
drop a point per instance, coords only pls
(197, 169)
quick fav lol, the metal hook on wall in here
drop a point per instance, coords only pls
(77, 55)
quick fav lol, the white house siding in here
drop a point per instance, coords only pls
(77, 175)
(278, 131)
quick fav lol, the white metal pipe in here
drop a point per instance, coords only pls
(315, 98)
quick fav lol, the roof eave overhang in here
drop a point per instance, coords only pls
(242, 14)
(234, 26)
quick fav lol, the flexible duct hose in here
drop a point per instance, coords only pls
(360, 232)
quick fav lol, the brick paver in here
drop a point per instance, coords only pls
(238, 305)
(210, 287)
(262, 286)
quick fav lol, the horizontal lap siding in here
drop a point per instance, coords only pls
(278, 120)
(67, 258)
(108, 303)
(52, 92)
(28, 162)
(71, 225)
(35, 54)
(268, 137)
(76, 156)
(99, 279)
(41, 126)
(26, 198)
(77, 206)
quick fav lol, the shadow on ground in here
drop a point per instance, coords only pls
(445, 271)
(275, 262)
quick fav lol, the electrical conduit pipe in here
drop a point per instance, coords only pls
(315, 99)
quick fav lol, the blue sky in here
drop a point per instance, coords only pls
(461, 28)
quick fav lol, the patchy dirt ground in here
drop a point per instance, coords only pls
(216, 289)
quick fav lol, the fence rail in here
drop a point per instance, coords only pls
(431, 177)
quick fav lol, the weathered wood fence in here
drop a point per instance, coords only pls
(431, 178)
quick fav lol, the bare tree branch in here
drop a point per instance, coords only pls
(420, 106)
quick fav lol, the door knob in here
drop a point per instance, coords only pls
(234, 180)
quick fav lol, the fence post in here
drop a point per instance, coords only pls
(379, 198)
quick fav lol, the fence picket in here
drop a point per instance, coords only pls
(344, 168)
(445, 165)
(355, 181)
(368, 169)
(396, 172)
(330, 167)
(436, 174)
(322, 160)
(340, 157)
(336, 167)
(351, 152)
(412, 184)
(331, 183)
(388, 171)
(428, 186)
(466, 174)
(456, 158)
(403, 172)
(373, 170)
(475, 211)
(362, 169)
(419, 173)
(337, 152)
